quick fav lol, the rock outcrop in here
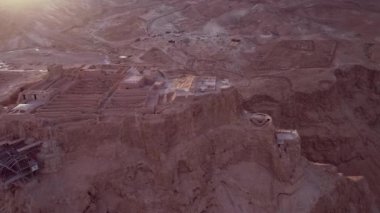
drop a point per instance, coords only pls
(208, 156)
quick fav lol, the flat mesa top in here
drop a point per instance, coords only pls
(89, 93)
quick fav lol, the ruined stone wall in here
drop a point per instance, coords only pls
(286, 157)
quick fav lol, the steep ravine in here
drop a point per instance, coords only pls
(339, 125)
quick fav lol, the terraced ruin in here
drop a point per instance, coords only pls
(189, 106)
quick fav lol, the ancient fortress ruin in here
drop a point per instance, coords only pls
(128, 103)
(158, 139)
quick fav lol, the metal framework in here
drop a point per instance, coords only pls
(15, 165)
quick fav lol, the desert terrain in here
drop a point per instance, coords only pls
(200, 106)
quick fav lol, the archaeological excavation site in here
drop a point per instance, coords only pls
(189, 106)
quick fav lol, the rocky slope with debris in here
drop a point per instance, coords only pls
(312, 65)
(227, 163)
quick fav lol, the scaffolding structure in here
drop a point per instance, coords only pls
(16, 163)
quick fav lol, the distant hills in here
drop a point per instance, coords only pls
(42, 23)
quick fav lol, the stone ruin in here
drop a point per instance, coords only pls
(285, 147)
(287, 151)
(136, 97)
(89, 93)
(168, 119)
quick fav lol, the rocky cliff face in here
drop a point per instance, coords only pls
(339, 125)
(312, 66)
(337, 122)
(216, 160)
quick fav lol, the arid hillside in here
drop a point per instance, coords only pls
(180, 105)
